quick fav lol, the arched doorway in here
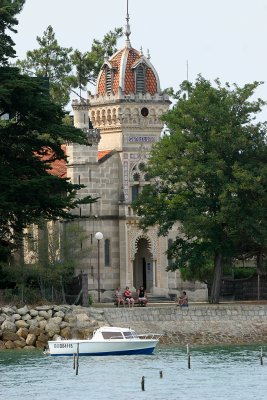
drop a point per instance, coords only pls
(143, 265)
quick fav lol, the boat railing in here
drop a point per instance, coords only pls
(154, 336)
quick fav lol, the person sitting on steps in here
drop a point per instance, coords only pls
(142, 298)
(118, 297)
(128, 297)
(183, 300)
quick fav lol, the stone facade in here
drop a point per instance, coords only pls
(122, 121)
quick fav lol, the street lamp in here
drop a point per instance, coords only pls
(98, 236)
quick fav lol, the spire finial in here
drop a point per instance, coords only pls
(127, 27)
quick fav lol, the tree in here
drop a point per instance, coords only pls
(210, 174)
(31, 138)
(88, 64)
(8, 10)
(65, 68)
(50, 61)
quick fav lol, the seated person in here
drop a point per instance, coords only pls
(183, 300)
(141, 293)
(118, 297)
(128, 297)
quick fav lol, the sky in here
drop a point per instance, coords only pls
(223, 39)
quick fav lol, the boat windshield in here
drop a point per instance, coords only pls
(112, 335)
(129, 335)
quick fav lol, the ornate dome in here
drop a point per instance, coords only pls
(128, 71)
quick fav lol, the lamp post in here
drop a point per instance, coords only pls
(98, 236)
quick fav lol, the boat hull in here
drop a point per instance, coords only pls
(108, 348)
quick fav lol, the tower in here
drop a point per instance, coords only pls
(125, 112)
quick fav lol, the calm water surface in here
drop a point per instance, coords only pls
(216, 373)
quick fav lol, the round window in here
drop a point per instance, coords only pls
(144, 111)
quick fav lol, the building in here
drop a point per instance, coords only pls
(122, 121)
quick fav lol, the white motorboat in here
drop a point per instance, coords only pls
(106, 341)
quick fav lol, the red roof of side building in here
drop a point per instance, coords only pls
(59, 167)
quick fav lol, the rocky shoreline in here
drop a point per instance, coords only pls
(30, 328)
(199, 324)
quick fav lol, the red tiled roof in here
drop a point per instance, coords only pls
(117, 61)
(58, 167)
(103, 153)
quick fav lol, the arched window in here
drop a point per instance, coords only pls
(140, 79)
(107, 252)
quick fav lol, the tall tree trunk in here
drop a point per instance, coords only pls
(216, 284)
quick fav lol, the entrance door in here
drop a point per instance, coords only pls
(143, 266)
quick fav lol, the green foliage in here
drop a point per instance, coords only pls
(66, 68)
(8, 10)
(50, 61)
(211, 175)
(30, 141)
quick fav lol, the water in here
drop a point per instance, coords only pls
(216, 373)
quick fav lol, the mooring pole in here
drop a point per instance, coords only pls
(143, 383)
(261, 357)
(74, 360)
(188, 357)
(77, 360)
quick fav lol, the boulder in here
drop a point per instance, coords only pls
(8, 326)
(66, 333)
(43, 338)
(33, 313)
(33, 322)
(9, 336)
(52, 329)
(29, 347)
(71, 319)
(19, 344)
(2, 318)
(23, 333)
(55, 320)
(16, 317)
(82, 318)
(9, 345)
(64, 324)
(26, 317)
(35, 330)
(8, 310)
(56, 337)
(60, 314)
(39, 318)
(44, 314)
(43, 308)
(42, 324)
(2, 345)
(31, 339)
(21, 324)
(23, 311)
(40, 345)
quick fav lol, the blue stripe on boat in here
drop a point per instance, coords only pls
(112, 353)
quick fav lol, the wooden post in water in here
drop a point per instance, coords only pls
(74, 360)
(188, 357)
(160, 374)
(143, 383)
(77, 360)
(261, 357)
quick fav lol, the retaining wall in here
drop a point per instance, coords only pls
(198, 324)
